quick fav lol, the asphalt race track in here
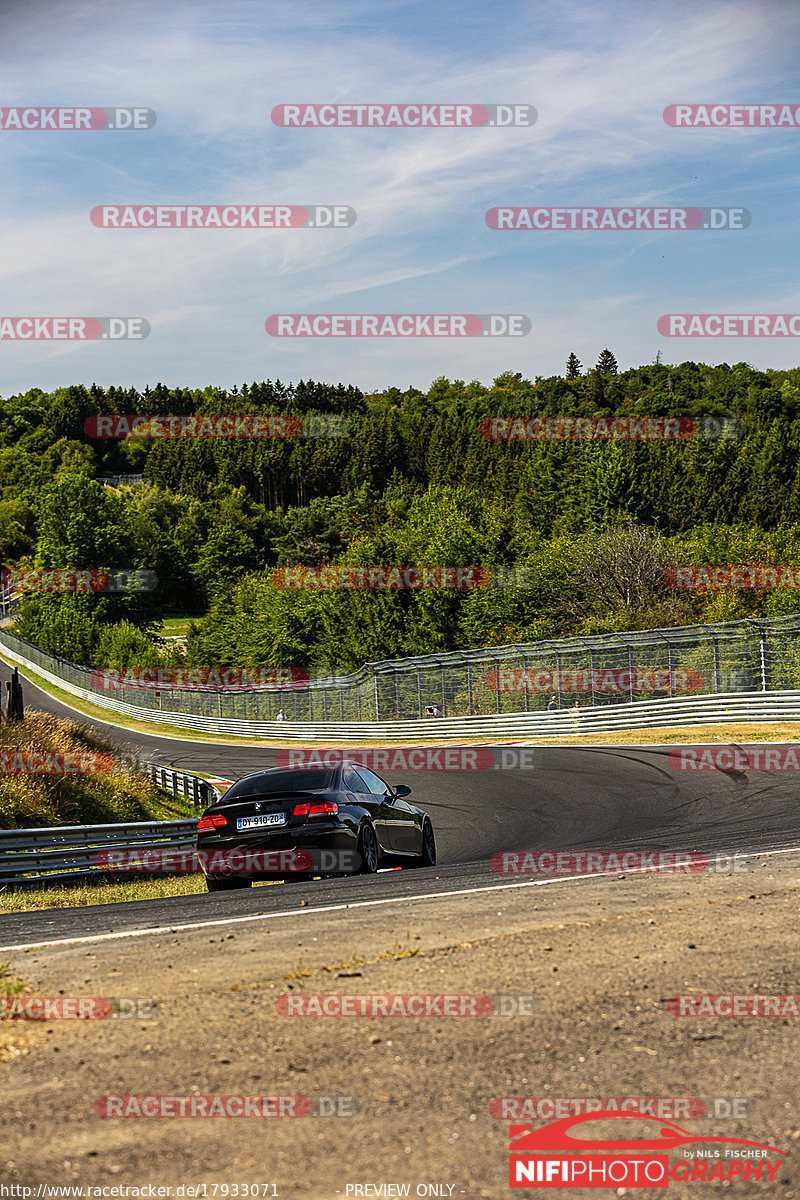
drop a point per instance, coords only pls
(610, 798)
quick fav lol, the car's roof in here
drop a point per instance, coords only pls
(345, 762)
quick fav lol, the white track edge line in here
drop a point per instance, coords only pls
(301, 912)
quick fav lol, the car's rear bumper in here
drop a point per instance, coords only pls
(281, 854)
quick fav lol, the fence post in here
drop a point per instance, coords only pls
(591, 665)
(671, 666)
(762, 639)
(497, 671)
(715, 642)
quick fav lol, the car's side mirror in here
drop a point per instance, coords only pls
(402, 790)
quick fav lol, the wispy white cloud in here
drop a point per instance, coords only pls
(600, 79)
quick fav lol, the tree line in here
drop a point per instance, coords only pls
(414, 481)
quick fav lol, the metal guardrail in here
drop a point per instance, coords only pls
(198, 790)
(117, 480)
(70, 853)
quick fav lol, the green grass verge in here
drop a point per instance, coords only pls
(59, 772)
(82, 895)
(10, 1039)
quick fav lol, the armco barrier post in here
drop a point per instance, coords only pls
(762, 641)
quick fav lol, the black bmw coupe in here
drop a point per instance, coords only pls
(297, 822)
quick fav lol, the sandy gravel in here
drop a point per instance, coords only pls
(601, 958)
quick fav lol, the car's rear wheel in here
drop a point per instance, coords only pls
(367, 850)
(227, 883)
(428, 856)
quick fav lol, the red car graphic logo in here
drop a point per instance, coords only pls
(558, 1136)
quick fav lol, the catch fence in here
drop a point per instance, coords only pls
(603, 670)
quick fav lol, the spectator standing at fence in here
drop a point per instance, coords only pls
(281, 715)
(553, 705)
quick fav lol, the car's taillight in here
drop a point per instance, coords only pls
(321, 809)
(213, 822)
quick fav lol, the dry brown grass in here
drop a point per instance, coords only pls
(100, 788)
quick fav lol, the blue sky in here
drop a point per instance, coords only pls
(599, 75)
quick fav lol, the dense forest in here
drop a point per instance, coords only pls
(411, 479)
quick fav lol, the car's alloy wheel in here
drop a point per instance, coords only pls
(367, 850)
(428, 856)
(227, 883)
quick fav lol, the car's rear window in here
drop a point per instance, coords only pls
(280, 783)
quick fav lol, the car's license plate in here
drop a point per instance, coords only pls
(267, 819)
